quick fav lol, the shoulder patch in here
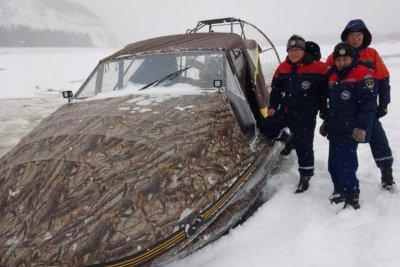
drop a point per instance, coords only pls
(369, 83)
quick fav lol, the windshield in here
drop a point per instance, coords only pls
(197, 70)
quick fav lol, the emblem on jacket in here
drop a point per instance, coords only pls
(370, 83)
(345, 95)
(305, 85)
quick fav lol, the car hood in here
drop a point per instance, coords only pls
(103, 179)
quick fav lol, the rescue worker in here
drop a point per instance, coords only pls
(357, 35)
(295, 98)
(352, 107)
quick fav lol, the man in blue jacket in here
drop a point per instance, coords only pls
(358, 36)
(352, 107)
(297, 95)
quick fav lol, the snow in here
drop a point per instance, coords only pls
(153, 94)
(33, 72)
(289, 229)
(55, 15)
(31, 80)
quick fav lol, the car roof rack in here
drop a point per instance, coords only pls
(216, 22)
(231, 21)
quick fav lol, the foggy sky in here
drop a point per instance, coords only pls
(132, 20)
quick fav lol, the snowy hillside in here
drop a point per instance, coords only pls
(55, 15)
(299, 230)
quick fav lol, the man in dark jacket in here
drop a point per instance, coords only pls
(352, 107)
(296, 96)
(358, 36)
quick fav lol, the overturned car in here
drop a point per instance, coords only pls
(156, 155)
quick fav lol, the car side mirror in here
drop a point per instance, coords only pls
(217, 83)
(67, 94)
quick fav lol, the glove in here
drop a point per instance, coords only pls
(322, 130)
(271, 112)
(381, 111)
(358, 135)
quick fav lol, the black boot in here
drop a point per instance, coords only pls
(387, 179)
(336, 197)
(289, 146)
(303, 184)
(284, 137)
(352, 202)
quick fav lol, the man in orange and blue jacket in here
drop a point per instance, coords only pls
(357, 35)
(352, 107)
(296, 97)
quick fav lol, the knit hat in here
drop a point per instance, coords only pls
(344, 49)
(313, 50)
(296, 41)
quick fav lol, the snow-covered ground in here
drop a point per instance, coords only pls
(289, 229)
(31, 80)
